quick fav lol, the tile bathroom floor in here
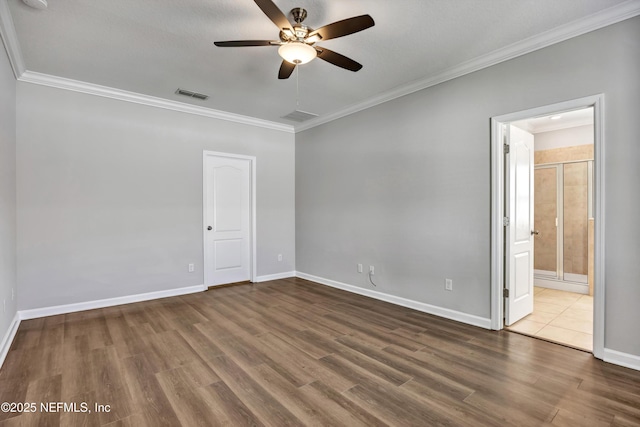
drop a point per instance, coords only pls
(559, 316)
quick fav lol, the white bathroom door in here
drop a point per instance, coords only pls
(227, 219)
(519, 231)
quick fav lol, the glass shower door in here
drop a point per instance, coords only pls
(562, 211)
(576, 215)
(546, 221)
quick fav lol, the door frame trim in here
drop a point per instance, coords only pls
(498, 209)
(253, 262)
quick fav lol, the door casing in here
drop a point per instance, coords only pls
(206, 259)
(498, 209)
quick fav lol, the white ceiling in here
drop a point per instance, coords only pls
(552, 122)
(152, 47)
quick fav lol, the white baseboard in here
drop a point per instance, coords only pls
(623, 359)
(8, 338)
(276, 276)
(416, 305)
(611, 356)
(109, 302)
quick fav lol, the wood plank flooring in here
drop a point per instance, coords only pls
(291, 352)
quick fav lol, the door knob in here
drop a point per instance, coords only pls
(536, 232)
(209, 228)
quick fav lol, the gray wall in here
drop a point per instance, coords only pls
(405, 186)
(110, 196)
(7, 192)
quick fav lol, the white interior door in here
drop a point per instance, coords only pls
(227, 219)
(519, 232)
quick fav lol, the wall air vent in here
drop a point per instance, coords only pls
(191, 94)
(299, 116)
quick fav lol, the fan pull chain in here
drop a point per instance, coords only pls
(297, 88)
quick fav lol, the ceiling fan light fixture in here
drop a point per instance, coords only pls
(296, 41)
(297, 52)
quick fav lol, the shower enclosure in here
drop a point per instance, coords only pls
(563, 207)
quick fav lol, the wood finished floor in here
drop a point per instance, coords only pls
(291, 352)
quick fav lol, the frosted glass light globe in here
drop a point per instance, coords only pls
(297, 52)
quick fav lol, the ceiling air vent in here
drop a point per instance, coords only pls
(299, 116)
(191, 94)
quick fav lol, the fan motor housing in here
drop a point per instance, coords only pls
(299, 14)
(299, 33)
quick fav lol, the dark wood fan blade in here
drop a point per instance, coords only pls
(275, 14)
(241, 43)
(344, 27)
(337, 59)
(286, 68)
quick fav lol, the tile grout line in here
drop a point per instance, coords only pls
(566, 308)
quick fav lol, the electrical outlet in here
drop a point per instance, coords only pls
(448, 284)
(372, 270)
(279, 257)
(192, 268)
(359, 268)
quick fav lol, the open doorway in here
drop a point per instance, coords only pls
(563, 228)
(545, 260)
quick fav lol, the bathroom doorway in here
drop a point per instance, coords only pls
(563, 228)
(507, 285)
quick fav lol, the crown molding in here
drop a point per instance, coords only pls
(606, 17)
(10, 40)
(593, 22)
(152, 101)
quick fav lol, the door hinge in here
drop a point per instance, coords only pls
(506, 148)
(505, 221)
(505, 293)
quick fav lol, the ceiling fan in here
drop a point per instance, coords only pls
(297, 42)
